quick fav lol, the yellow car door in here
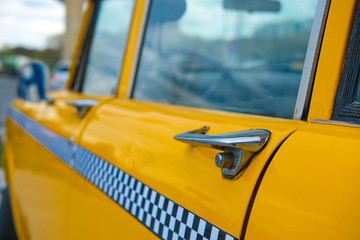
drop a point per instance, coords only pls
(313, 194)
(39, 181)
(149, 167)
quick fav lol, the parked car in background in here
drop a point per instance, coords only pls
(189, 119)
(12, 64)
(59, 75)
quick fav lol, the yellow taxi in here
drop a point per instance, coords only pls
(189, 119)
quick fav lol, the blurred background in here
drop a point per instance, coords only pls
(43, 30)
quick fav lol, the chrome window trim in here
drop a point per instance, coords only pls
(311, 59)
(138, 49)
(338, 123)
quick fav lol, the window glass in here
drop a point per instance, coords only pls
(357, 98)
(108, 46)
(347, 100)
(234, 55)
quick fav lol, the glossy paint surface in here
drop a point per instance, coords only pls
(137, 137)
(39, 187)
(58, 116)
(331, 59)
(312, 193)
(308, 192)
(134, 41)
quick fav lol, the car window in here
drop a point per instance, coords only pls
(357, 87)
(105, 55)
(347, 101)
(231, 55)
(358, 93)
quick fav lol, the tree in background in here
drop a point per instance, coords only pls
(15, 57)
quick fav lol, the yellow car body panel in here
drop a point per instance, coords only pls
(312, 193)
(53, 115)
(158, 163)
(39, 184)
(129, 66)
(306, 178)
(59, 116)
(183, 173)
(331, 59)
(38, 167)
(93, 215)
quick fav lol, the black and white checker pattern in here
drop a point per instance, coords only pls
(160, 215)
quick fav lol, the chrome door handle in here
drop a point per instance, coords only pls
(82, 106)
(239, 147)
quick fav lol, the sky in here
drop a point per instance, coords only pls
(29, 23)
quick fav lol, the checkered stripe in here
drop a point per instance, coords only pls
(160, 215)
